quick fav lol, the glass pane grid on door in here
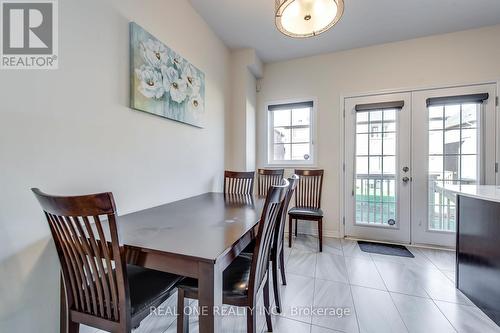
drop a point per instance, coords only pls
(454, 137)
(375, 161)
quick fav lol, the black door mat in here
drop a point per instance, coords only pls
(386, 249)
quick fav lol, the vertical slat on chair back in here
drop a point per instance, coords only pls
(267, 178)
(239, 200)
(238, 182)
(308, 193)
(280, 224)
(263, 242)
(93, 270)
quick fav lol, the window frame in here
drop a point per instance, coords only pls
(312, 127)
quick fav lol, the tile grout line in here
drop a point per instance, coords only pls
(440, 271)
(350, 289)
(425, 290)
(392, 299)
(314, 286)
(439, 309)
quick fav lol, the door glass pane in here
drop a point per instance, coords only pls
(389, 143)
(436, 140)
(454, 158)
(469, 141)
(436, 114)
(362, 144)
(376, 142)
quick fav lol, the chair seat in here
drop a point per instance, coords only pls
(235, 279)
(149, 288)
(315, 212)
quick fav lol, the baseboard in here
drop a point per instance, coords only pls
(326, 233)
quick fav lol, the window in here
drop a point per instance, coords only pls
(454, 158)
(290, 133)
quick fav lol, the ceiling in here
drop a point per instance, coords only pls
(250, 23)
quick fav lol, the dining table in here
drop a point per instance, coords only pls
(197, 237)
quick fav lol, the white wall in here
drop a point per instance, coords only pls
(246, 67)
(457, 58)
(70, 131)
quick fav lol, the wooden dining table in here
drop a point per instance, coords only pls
(196, 237)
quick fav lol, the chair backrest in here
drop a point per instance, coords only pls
(280, 224)
(238, 182)
(239, 200)
(93, 269)
(263, 241)
(309, 189)
(267, 178)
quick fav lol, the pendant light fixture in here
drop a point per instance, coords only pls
(307, 18)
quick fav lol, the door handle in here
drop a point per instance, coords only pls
(406, 180)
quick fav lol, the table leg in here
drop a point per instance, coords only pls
(210, 297)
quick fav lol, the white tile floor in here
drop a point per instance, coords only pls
(372, 293)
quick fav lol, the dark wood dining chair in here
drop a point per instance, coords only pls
(267, 178)
(100, 289)
(277, 252)
(243, 278)
(307, 202)
(236, 182)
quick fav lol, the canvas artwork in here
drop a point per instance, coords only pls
(164, 83)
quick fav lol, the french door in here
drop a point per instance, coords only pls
(454, 144)
(377, 167)
(401, 153)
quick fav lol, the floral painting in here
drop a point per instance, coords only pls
(162, 82)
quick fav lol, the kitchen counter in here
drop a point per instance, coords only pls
(485, 192)
(478, 245)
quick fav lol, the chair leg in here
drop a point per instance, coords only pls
(63, 315)
(125, 328)
(276, 287)
(282, 266)
(251, 320)
(182, 317)
(296, 223)
(266, 304)
(290, 230)
(320, 232)
(66, 325)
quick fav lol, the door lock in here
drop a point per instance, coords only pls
(406, 169)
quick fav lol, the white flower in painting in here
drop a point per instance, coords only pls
(176, 60)
(190, 75)
(178, 91)
(151, 82)
(195, 105)
(154, 53)
(173, 84)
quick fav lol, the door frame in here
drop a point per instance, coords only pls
(341, 118)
